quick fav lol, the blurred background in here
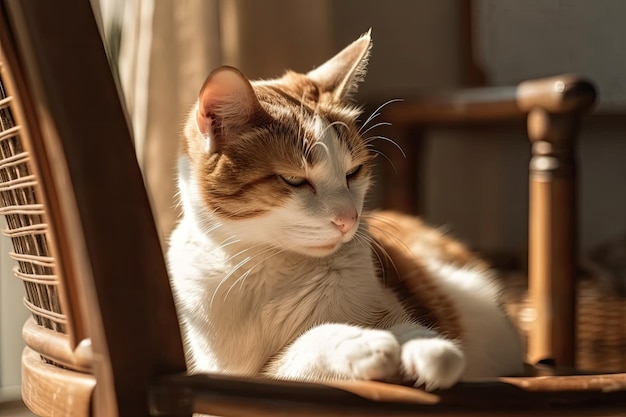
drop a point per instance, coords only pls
(476, 185)
(472, 183)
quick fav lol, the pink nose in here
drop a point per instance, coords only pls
(345, 220)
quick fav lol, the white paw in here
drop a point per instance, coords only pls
(369, 355)
(432, 362)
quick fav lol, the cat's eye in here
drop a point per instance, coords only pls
(353, 171)
(293, 180)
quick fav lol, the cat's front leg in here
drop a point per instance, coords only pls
(427, 358)
(339, 352)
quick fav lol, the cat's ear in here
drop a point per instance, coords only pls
(341, 75)
(226, 103)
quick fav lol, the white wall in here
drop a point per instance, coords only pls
(532, 38)
(13, 314)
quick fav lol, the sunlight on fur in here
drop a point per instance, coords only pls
(278, 271)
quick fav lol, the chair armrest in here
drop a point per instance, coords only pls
(563, 94)
(224, 395)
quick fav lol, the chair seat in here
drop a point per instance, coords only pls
(530, 395)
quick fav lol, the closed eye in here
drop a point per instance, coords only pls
(353, 172)
(294, 181)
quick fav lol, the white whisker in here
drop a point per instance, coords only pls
(234, 268)
(335, 123)
(374, 243)
(376, 112)
(323, 146)
(385, 139)
(226, 277)
(243, 276)
(387, 233)
(374, 126)
(377, 152)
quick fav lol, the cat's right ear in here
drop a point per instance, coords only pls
(341, 75)
(226, 104)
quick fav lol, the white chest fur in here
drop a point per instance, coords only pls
(256, 301)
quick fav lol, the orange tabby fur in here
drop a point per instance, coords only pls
(399, 235)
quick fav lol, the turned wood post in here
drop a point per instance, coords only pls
(555, 107)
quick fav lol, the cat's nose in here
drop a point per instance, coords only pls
(345, 219)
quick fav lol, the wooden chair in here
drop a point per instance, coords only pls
(104, 339)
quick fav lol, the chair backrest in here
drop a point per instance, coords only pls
(77, 209)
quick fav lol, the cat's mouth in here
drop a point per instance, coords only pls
(325, 247)
(322, 250)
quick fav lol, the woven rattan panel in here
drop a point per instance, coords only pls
(600, 322)
(25, 216)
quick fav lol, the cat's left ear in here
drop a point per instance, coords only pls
(226, 104)
(341, 75)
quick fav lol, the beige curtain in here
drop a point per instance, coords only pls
(164, 49)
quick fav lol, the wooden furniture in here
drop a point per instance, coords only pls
(552, 109)
(104, 340)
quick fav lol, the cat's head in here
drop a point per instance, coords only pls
(279, 162)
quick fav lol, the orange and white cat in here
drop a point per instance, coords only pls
(276, 269)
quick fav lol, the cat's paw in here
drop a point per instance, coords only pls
(432, 362)
(369, 355)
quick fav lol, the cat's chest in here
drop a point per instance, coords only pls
(296, 296)
(318, 287)
(291, 289)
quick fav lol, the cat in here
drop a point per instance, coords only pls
(277, 270)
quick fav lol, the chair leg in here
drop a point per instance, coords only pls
(552, 236)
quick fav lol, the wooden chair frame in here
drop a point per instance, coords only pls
(122, 354)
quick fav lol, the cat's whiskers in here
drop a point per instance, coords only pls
(335, 123)
(374, 126)
(377, 113)
(309, 147)
(242, 278)
(383, 219)
(178, 199)
(368, 242)
(233, 269)
(377, 152)
(387, 233)
(226, 243)
(369, 140)
(226, 277)
(208, 222)
(314, 234)
(236, 267)
(305, 142)
(320, 144)
(371, 242)
(244, 250)
(245, 275)
(361, 238)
